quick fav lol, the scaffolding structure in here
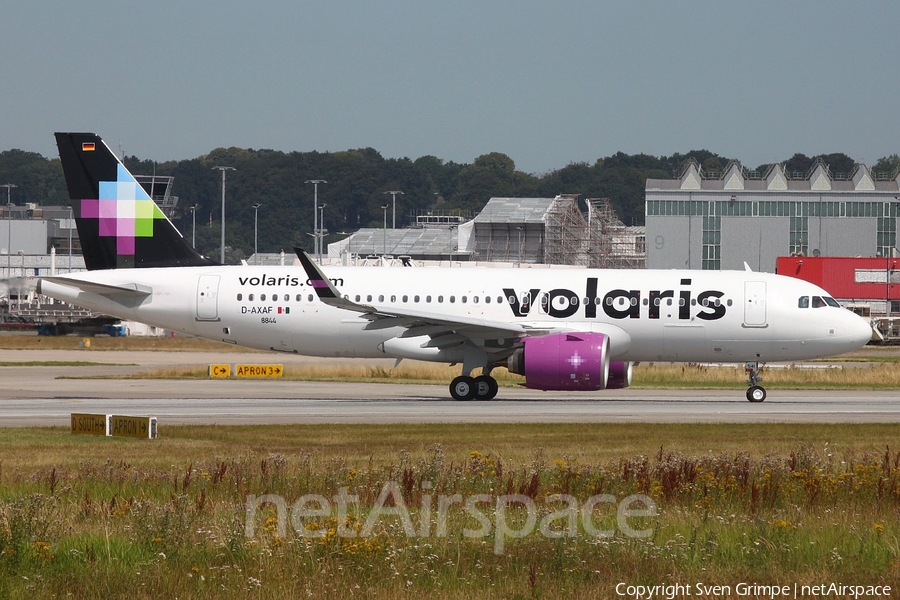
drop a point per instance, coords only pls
(550, 231)
(611, 244)
(599, 240)
(567, 233)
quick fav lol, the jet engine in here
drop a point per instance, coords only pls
(567, 361)
(619, 374)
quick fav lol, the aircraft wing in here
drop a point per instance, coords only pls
(444, 331)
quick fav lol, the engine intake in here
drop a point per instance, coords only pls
(564, 361)
(619, 374)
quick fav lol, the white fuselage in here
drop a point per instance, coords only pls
(690, 316)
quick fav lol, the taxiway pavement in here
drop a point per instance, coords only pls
(47, 395)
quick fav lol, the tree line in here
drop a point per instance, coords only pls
(357, 182)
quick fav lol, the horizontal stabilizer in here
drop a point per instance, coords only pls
(102, 289)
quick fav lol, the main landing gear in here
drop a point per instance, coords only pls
(466, 387)
(756, 392)
(483, 387)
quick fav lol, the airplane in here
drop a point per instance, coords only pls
(564, 330)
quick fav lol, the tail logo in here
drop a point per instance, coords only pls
(124, 211)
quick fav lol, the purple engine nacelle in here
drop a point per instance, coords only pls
(567, 361)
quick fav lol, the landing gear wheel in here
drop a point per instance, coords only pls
(485, 387)
(756, 393)
(462, 388)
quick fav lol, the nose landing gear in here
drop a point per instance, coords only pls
(756, 392)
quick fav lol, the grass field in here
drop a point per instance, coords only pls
(775, 504)
(88, 517)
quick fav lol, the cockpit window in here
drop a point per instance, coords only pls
(804, 302)
(817, 302)
(832, 302)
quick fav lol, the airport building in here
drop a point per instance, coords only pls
(511, 231)
(722, 220)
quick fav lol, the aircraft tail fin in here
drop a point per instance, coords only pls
(119, 225)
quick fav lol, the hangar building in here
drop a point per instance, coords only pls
(548, 231)
(722, 220)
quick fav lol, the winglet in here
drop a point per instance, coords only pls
(325, 290)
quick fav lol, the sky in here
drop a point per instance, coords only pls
(547, 83)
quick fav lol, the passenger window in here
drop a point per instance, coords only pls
(728, 303)
(274, 297)
(381, 297)
(681, 302)
(250, 297)
(440, 299)
(499, 299)
(262, 297)
(369, 298)
(487, 299)
(452, 299)
(240, 297)
(428, 299)
(405, 298)
(309, 298)
(393, 298)
(475, 299)
(817, 302)
(512, 299)
(804, 302)
(463, 300)
(299, 297)
(416, 299)
(668, 302)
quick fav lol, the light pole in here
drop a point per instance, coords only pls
(8, 187)
(315, 183)
(349, 242)
(194, 225)
(222, 244)
(520, 246)
(256, 231)
(71, 223)
(321, 230)
(384, 233)
(393, 194)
